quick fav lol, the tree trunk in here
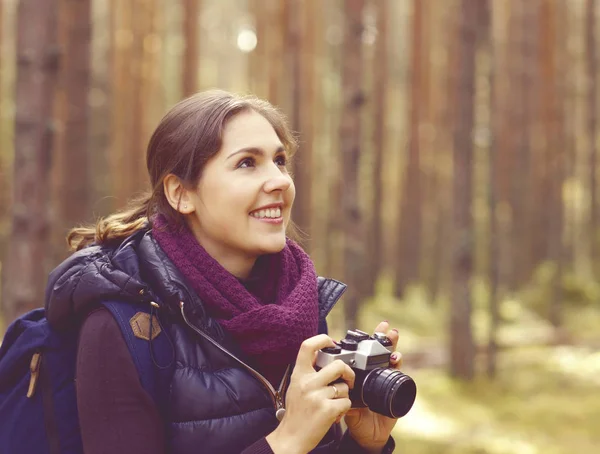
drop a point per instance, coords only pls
(300, 46)
(462, 351)
(101, 103)
(191, 53)
(380, 86)
(493, 245)
(123, 88)
(407, 268)
(74, 184)
(592, 120)
(556, 130)
(350, 141)
(37, 69)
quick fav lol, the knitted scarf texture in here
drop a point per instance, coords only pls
(269, 315)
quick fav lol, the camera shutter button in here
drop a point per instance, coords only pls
(349, 344)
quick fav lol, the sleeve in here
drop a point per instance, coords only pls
(349, 446)
(259, 447)
(116, 414)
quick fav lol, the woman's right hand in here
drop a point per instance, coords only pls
(312, 405)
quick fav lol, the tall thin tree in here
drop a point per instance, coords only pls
(462, 350)
(592, 121)
(37, 69)
(407, 265)
(380, 87)
(191, 56)
(350, 140)
(74, 182)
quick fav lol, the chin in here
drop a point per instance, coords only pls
(273, 246)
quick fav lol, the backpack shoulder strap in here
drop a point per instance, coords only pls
(149, 344)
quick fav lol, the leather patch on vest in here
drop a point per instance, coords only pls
(140, 324)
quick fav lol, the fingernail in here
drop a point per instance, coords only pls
(394, 357)
(394, 329)
(385, 321)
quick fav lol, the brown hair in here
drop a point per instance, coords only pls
(185, 139)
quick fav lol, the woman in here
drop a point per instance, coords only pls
(208, 247)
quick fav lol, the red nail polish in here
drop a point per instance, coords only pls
(394, 357)
(385, 321)
(394, 329)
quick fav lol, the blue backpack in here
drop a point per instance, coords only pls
(38, 406)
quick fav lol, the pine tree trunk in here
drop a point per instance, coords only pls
(37, 68)
(493, 245)
(74, 185)
(350, 141)
(380, 86)
(191, 59)
(592, 120)
(407, 268)
(299, 46)
(462, 351)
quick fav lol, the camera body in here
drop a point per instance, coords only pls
(377, 386)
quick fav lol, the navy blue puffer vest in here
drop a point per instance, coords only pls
(215, 402)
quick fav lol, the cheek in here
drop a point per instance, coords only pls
(291, 192)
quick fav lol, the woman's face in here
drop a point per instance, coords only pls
(244, 198)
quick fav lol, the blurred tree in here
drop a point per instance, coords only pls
(522, 66)
(592, 120)
(409, 240)
(443, 98)
(554, 82)
(350, 139)
(100, 100)
(37, 68)
(487, 45)
(123, 99)
(191, 55)
(462, 350)
(299, 51)
(144, 39)
(380, 88)
(71, 169)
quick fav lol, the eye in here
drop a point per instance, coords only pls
(246, 163)
(281, 160)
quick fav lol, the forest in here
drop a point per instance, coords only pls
(448, 172)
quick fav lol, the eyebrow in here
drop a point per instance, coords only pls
(255, 151)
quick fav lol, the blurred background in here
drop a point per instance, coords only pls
(447, 171)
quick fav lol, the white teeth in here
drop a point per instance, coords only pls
(272, 213)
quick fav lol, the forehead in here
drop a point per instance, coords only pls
(249, 129)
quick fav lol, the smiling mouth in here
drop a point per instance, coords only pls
(267, 214)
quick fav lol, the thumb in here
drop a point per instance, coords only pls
(353, 417)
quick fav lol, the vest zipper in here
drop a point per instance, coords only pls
(277, 396)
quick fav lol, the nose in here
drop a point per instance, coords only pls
(276, 180)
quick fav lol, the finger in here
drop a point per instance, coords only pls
(306, 355)
(343, 391)
(396, 360)
(393, 336)
(333, 372)
(382, 327)
(339, 407)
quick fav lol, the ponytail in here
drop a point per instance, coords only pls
(113, 228)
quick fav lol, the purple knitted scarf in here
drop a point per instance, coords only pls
(269, 316)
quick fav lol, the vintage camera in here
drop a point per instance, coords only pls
(384, 390)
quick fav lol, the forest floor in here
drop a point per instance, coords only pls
(544, 399)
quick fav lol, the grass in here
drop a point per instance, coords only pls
(544, 399)
(539, 403)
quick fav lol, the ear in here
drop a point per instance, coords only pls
(177, 195)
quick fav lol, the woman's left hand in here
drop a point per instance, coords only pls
(369, 429)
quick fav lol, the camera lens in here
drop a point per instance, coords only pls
(389, 392)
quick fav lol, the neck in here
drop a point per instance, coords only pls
(238, 265)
